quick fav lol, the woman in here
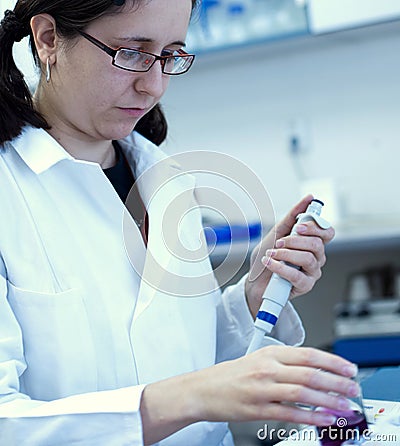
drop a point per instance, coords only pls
(90, 353)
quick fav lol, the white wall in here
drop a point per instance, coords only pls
(344, 88)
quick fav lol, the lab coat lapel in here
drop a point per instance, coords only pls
(167, 193)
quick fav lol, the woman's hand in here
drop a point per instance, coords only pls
(306, 250)
(261, 386)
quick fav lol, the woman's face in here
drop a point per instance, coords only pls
(93, 100)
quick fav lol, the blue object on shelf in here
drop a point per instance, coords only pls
(370, 351)
(236, 9)
(206, 5)
(232, 233)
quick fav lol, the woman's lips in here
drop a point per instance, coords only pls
(133, 112)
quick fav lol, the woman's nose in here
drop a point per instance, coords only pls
(153, 82)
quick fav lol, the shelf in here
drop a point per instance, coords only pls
(226, 24)
(366, 234)
(222, 25)
(335, 15)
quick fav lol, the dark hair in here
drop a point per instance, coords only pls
(71, 16)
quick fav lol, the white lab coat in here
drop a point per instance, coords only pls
(81, 332)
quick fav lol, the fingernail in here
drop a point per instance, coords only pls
(280, 243)
(343, 403)
(270, 253)
(301, 229)
(266, 260)
(353, 390)
(350, 370)
(327, 419)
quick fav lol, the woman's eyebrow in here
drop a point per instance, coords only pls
(142, 39)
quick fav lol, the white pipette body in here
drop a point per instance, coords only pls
(278, 290)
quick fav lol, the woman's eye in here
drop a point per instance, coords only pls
(169, 53)
(128, 54)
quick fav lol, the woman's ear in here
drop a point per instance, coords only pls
(44, 34)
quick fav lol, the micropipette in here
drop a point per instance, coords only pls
(278, 289)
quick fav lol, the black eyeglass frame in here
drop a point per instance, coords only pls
(113, 53)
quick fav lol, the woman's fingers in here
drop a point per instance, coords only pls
(302, 259)
(311, 386)
(318, 379)
(308, 367)
(311, 229)
(305, 252)
(302, 280)
(307, 376)
(285, 226)
(293, 414)
(302, 244)
(314, 358)
(295, 393)
(268, 383)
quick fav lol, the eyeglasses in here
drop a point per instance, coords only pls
(141, 61)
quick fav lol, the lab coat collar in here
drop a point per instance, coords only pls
(144, 157)
(142, 153)
(38, 149)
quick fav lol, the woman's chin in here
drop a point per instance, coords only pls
(119, 131)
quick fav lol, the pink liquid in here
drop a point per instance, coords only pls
(349, 425)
